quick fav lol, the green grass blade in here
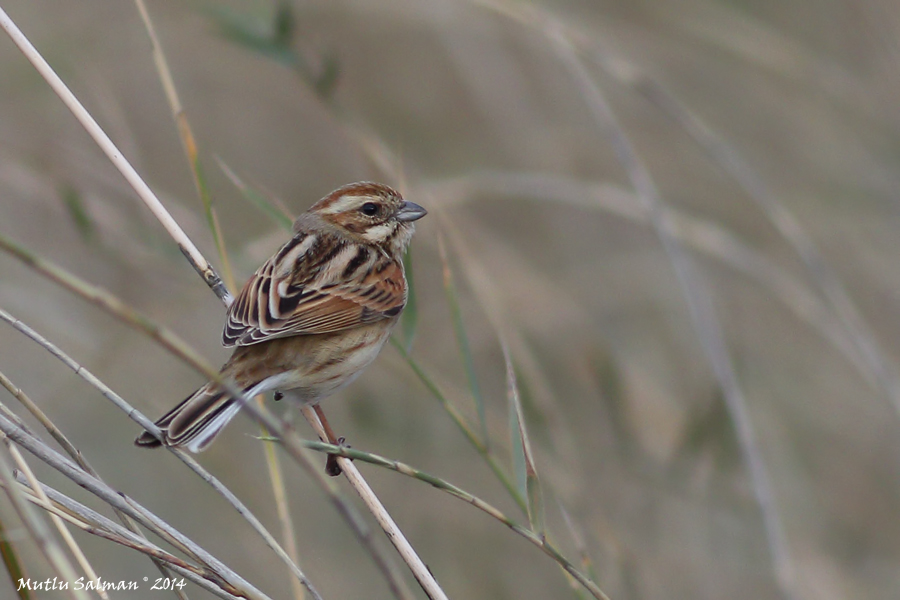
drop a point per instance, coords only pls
(462, 339)
(13, 565)
(410, 317)
(269, 37)
(518, 450)
(523, 459)
(587, 564)
(464, 426)
(274, 38)
(80, 215)
(212, 218)
(538, 540)
(257, 199)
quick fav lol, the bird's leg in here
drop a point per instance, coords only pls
(331, 465)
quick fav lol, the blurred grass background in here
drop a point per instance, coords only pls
(545, 237)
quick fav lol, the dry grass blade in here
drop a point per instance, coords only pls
(188, 142)
(279, 493)
(586, 563)
(64, 533)
(42, 418)
(699, 304)
(495, 291)
(227, 578)
(94, 523)
(790, 228)
(38, 528)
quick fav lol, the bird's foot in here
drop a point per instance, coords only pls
(331, 465)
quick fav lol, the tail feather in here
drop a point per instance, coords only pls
(148, 440)
(195, 421)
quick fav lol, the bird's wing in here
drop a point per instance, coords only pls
(315, 285)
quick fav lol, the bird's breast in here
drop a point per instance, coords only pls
(314, 366)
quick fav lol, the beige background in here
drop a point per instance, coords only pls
(497, 140)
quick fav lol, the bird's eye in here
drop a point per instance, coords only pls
(370, 209)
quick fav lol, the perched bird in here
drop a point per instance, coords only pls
(314, 315)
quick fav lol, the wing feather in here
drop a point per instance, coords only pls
(333, 285)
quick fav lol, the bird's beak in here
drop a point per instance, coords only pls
(410, 211)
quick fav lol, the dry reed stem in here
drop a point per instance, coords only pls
(64, 532)
(94, 523)
(37, 528)
(35, 446)
(193, 255)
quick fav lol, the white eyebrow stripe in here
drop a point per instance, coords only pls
(342, 204)
(379, 233)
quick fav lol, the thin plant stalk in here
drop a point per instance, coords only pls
(188, 142)
(533, 537)
(700, 306)
(279, 493)
(464, 426)
(419, 569)
(38, 529)
(57, 521)
(96, 524)
(122, 502)
(462, 340)
(193, 255)
(13, 563)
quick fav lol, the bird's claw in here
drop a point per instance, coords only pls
(331, 465)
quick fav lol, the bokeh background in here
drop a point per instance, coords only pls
(763, 125)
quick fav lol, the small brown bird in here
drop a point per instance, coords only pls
(314, 315)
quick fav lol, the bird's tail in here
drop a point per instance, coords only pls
(196, 421)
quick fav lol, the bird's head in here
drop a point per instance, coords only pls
(370, 213)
